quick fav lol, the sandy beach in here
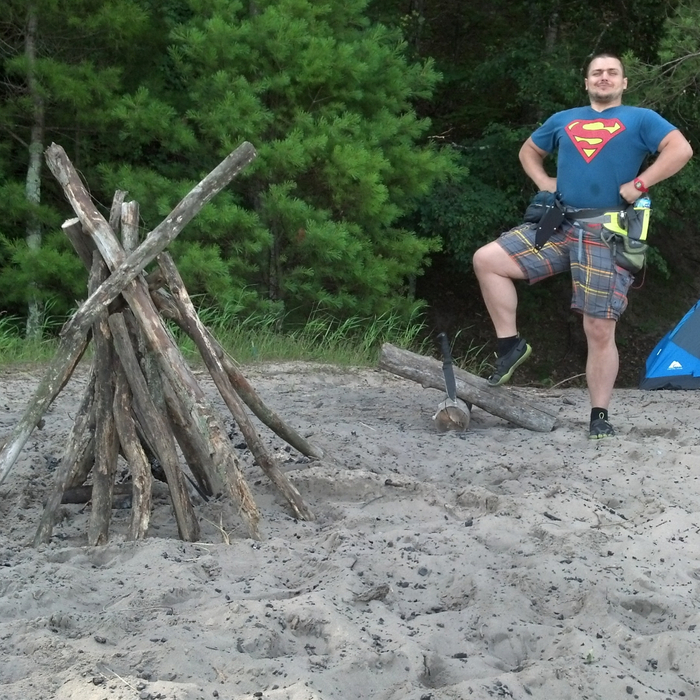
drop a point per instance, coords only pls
(495, 563)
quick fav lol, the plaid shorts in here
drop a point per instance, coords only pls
(599, 287)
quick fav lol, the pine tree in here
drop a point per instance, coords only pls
(59, 64)
(327, 98)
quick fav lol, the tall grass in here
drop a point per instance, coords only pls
(16, 348)
(352, 341)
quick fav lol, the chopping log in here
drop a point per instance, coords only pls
(503, 402)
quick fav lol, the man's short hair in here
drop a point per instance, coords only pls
(602, 54)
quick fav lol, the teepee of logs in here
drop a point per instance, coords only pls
(142, 400)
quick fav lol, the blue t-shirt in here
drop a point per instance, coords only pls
(599, 151)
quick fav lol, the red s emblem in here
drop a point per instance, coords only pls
(591, 136)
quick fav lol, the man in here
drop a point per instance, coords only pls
(601, 149)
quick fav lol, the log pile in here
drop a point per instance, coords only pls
(142, 401)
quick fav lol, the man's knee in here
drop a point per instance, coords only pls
(599, 330)
(492, 258)
(486, 258)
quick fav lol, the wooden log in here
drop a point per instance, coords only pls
(82, 243)
(197, 331)
(193, 442)
(142, 481)
(157, 430)
(173, 366)
(79, 447)
(73, 339)
(106, 444)
(503, 402)
(156, 381)
(122, 495)
(169, 357)
(115, 212)
(133, 434)
(130, 226)
(204, 417)
(242, 386)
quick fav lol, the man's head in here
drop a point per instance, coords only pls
(605, 80)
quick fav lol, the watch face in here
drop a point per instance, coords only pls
(638, 185)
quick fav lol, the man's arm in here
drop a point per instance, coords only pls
(674, 153)
(532, 159)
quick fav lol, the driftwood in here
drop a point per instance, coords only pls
(143, 401)
(503, 402)
(166, 353)
(73, 340)
(106, 445)
(157, 430)
(78, 453)
(221, 379)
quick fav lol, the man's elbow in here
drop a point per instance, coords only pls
(688, 152)
(681, 148)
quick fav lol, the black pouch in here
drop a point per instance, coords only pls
(537, 207)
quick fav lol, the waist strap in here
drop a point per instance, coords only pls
(591, 216)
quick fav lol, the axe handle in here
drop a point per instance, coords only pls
(447, 370)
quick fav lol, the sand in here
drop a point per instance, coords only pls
(496, 563)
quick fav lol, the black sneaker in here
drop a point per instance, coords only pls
(505, 365)
(600, 429)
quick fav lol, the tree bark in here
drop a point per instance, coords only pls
(106, 445)
(500, 401)
(157, 430)
(33, 181)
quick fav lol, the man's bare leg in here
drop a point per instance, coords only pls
(603, 360)
(496, 270)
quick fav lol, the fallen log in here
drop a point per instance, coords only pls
(503, 402)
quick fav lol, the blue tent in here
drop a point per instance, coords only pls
(675, 362)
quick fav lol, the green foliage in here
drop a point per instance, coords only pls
(326, 98)
(486, 195)
(53, 275)
(351, 107)
(322, 337)
(670, 85)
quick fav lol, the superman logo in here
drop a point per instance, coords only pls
(590, 137)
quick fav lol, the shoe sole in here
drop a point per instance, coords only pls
(601, 437)
(509, 373)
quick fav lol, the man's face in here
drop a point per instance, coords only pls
(605, 82)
